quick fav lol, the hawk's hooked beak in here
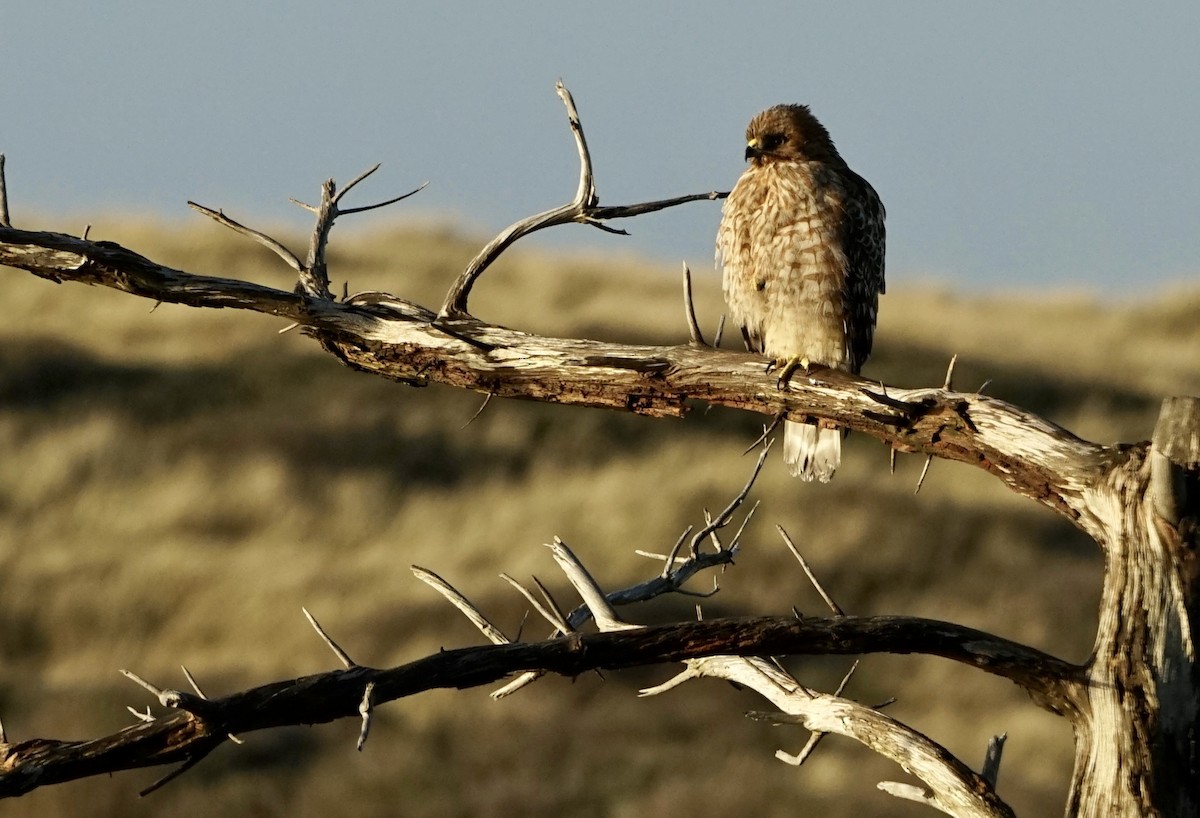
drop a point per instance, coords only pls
(753, 149)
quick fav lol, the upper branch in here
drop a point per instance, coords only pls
(388, 336)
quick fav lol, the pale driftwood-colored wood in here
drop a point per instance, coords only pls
(396, 339)
(1136, 750)
(953, 788)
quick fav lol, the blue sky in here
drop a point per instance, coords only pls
(1017, 145)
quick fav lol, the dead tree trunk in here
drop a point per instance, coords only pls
(1133, 705)
(1136, 751)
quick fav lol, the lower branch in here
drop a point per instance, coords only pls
(338, 694)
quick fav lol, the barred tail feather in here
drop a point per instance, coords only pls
(811, 453)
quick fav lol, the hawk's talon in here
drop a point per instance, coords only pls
(788, 367)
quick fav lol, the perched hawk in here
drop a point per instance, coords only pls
(801, 241)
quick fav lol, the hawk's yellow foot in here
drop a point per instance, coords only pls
(787, 368)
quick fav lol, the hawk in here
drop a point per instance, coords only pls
(802, 244)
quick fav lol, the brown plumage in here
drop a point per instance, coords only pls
(802, 245)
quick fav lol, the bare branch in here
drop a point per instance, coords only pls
(602, 612)
(583, 209)
(767, 429)
(722, 519)
(337, 197)
(394, 338)
(271, 244)
(338, 694)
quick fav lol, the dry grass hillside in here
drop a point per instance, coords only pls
(177, 483)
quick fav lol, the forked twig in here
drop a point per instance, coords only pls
(550, 613)
(583, 209)
(722, 519)
(199, 692)
(313, 272)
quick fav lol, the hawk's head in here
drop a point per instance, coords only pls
(788, 133)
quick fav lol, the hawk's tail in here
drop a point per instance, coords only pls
(811, 452)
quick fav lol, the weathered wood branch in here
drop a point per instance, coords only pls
(952, 786)
(337, 694)
(1136, 751)
(397, 339)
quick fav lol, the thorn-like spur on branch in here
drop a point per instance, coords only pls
(549, 610)
(991, 760)
(947, 385)
(808, 572)
(342, 656)
(494, 634)
(583, 209)
(689, 308)
(199, 692)
(366, 709)
(192, 761)
(5, 220)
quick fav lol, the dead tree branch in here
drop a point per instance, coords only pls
(399, 340)
(337, 694)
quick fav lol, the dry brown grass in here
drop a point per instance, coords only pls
(176, 484)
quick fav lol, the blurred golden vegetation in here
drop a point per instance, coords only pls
(177, 483)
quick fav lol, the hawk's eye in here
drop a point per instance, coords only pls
(773, 140)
